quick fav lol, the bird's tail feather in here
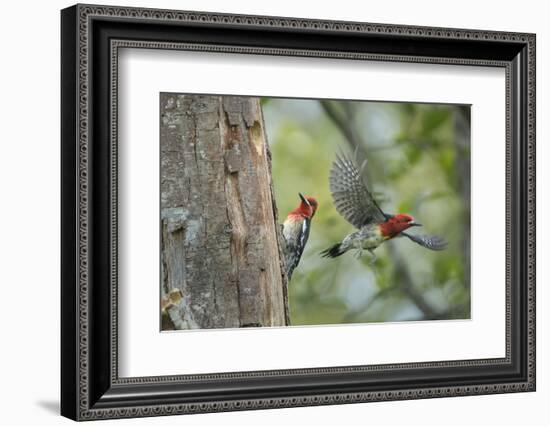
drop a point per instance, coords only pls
(333, 251)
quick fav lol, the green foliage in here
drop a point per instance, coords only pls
(416, 164)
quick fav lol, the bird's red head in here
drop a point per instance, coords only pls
(307, 208)
(396, 224)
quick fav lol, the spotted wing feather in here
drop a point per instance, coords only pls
(350, 194)
(432, 242)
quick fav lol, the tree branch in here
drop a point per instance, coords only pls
(341, 121)
(406, 283)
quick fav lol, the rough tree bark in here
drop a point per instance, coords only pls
(220, 245)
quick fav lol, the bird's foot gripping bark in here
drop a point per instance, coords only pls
(373, 257)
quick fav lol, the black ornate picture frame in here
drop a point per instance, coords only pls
(91, 387)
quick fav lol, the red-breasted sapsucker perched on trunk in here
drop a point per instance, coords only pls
(355, 203)
(296, 232)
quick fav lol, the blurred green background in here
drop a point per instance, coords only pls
(418, 163)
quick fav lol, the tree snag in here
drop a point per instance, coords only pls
(220, 243)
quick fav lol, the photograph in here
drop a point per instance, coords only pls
(282, 212)
(269, 209)
(266, 209)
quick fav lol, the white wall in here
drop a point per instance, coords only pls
(29, 229)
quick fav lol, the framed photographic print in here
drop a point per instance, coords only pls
(263, 212)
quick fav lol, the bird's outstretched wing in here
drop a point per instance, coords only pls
(432, 242)
(350, 194)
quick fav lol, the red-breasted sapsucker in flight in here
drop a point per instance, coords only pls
(296, 229)
(355, 203)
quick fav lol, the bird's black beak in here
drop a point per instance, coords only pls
(304, 200)
(415, 224)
